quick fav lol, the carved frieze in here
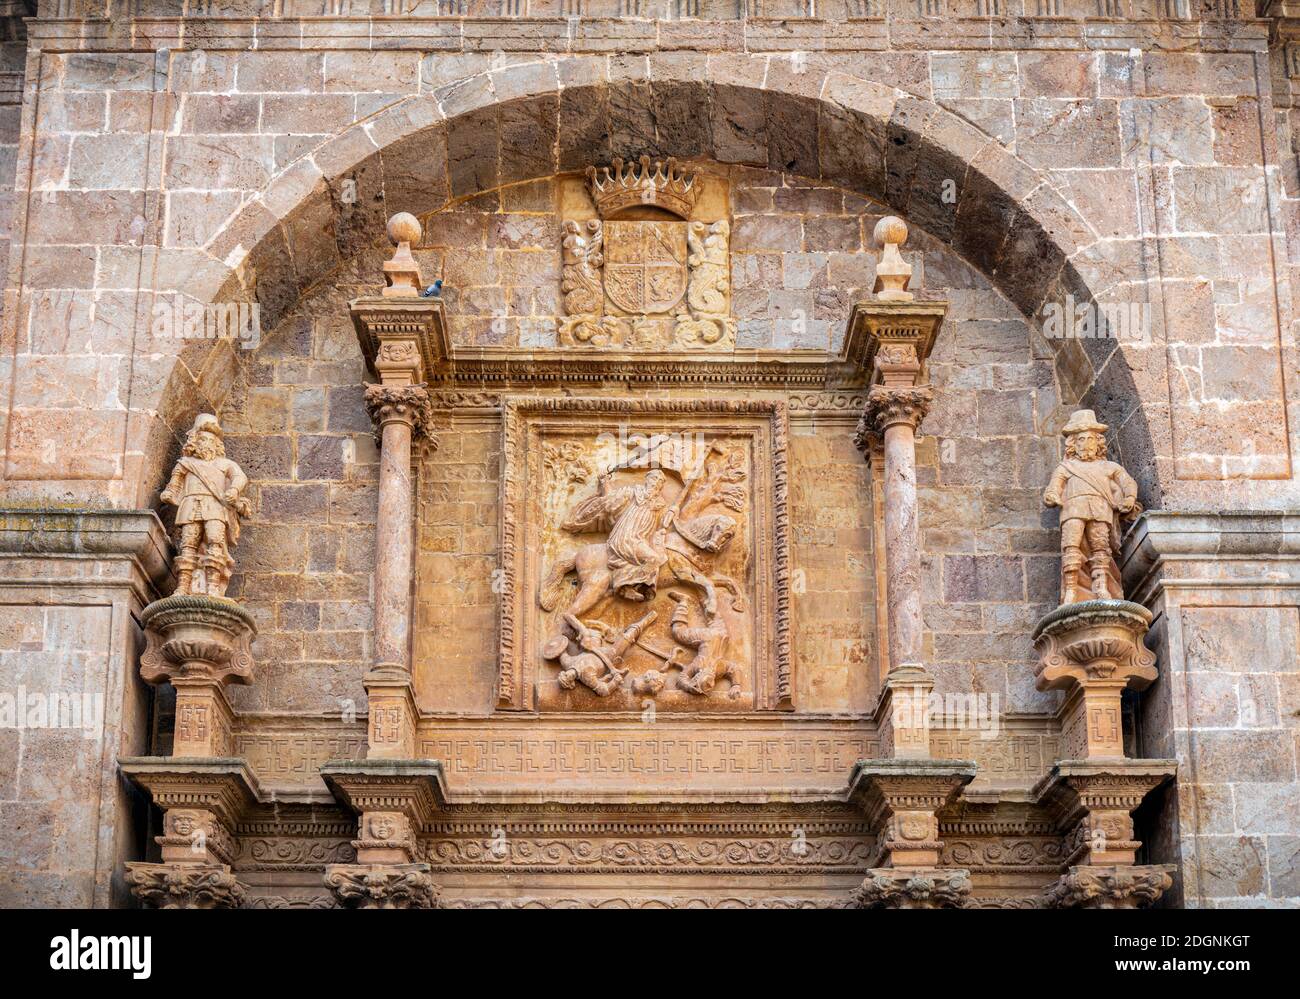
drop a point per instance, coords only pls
(640, 901)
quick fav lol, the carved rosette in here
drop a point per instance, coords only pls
(192, 636)
(407, 404)
(890, 405)
(917, 888)
(382, 886)
(185, 886)
(1109, 887)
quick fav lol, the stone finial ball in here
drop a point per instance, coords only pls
(891, 229)
(404, 228)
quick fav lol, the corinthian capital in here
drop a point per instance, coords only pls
(887, 405)
(408, 404)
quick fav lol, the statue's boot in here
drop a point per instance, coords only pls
(1071, 565)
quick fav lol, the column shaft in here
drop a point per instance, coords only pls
(393, 547)
(902, 545)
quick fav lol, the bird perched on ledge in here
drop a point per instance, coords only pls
(433, 291)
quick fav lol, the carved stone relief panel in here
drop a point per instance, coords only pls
(646, 259)
(644, 556)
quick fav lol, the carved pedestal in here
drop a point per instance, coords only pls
(198, 644)
(393, 800)
(1093, 650)
(902, 800)
(202, 801)
(1093, 804)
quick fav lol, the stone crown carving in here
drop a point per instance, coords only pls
(660, 183)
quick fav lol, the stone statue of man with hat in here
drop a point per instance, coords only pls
(206, 488)
(1093, 494)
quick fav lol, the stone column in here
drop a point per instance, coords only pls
(392, 793)
(399, 412)
(894, 413)
(893, 335)
(903, 793)
(400, 332)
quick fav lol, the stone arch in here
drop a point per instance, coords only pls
(533, 119)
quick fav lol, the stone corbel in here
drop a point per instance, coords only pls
(203, 801)
(902, 800)
(393, 801)
(1093, 803)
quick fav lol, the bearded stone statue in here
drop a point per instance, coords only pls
(206, 488)
(1094, 495)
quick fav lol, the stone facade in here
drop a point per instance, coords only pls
(164, 172)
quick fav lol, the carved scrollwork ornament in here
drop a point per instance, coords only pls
(1108, 887)
(382, 886)
(888, 405)
(409, 404)
(931, 888)
(185, 886)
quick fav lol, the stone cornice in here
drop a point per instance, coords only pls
(504, 367)
(378, 319)
(1159, 537)
(225, 785)
(600, 35)
(137, 535)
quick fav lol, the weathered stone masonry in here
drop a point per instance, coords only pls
(255, 155)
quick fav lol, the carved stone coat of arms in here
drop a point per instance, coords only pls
(646, 283)
(645, 265)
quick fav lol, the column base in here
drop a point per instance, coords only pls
(902, 713)
(184, 886)
(1116, 887)
(382, 886)
(913, 888)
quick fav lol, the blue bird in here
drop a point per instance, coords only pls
(433, 291)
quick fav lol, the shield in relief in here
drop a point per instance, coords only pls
(645, 265)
